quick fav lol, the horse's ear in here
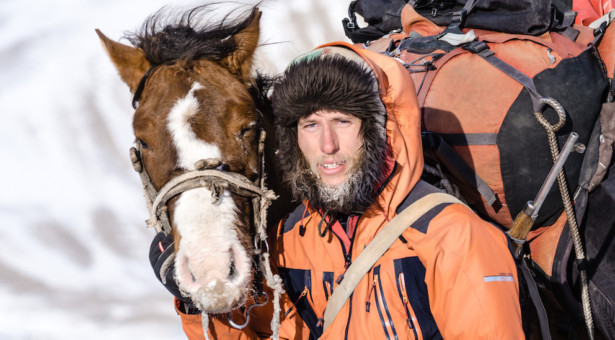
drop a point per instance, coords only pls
(240, 61)
(129, 61)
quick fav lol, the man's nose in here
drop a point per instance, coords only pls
(329, 143)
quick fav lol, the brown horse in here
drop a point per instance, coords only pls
(199, 146)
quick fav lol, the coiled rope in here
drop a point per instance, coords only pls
(568, 206)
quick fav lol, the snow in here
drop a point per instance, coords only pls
(73, 254)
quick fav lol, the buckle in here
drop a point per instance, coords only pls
(478, 47)
(459, 17)
(475, 46)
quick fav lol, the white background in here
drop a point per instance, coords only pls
(73, 244)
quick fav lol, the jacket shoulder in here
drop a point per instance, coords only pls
(420, 190)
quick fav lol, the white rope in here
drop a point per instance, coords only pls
(205, 322)
(274, 282)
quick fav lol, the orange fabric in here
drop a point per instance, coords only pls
(458, 251)
(292, 327)
(590, 10)
(606, 48)
(412, 21)
(403, 126)
(447, 109)
(457, 262)
(543, 244)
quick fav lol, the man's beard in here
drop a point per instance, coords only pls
(353, 195)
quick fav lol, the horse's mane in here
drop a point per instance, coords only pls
(167, 36)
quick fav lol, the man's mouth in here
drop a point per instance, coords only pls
(332, 165)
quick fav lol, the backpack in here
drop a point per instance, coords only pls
(477, 90)
(478, 99)
(532, 17)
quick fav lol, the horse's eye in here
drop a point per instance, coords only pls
(142, 144)
(247, 131)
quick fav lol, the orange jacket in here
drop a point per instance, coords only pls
(450, 275)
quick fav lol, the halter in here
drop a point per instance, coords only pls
(205, 176)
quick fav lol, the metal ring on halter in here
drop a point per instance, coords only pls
(558, 109)
(258, 304)
(257, 240)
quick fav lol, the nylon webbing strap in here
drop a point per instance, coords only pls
(455, 164)
(481, 49)
(377, 247)
(535, 296)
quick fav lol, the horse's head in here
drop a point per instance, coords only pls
(192, 86)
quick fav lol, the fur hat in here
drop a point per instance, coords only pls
(330, 78)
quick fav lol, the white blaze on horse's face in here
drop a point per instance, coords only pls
(211, 264)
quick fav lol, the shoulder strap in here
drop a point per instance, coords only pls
(377, 247)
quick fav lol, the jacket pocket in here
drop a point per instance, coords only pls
(298, 285)
(403, 294)
(327, 284)
(412, 290)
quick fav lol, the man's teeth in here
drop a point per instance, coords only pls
(332, 165)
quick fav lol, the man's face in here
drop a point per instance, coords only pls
(331, 143)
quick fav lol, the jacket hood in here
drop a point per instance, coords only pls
(387, 106)
(403, 127)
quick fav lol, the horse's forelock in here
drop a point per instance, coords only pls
(167, 36)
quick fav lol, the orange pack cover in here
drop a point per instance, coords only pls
(485, 118)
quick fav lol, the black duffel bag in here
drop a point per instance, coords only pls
(528, 17)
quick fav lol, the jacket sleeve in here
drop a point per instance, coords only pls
(471, 277)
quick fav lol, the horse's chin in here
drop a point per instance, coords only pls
(219, 297)
(215, 283)
(212, 266)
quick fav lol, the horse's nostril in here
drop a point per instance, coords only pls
(232, 268)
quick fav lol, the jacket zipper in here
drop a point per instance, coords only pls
(347, 263)
(327, 284)
(401, 287)
(303, 294)
(328, 291)
(381, 305)
(372, 286)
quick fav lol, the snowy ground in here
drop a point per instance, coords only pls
(73, 246)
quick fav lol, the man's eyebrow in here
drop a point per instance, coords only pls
(306, 120)
(345, 117)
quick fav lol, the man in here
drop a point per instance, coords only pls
(348, 126)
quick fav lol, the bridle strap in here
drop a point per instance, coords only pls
(149, 192)
(215, 180)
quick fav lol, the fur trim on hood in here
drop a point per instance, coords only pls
(330, 79)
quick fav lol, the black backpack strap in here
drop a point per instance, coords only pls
(459, 17)
(481, 49)
(535, 296)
